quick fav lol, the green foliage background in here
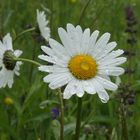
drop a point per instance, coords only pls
(30, 119)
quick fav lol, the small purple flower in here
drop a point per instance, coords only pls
(129, 13)
(54, 113)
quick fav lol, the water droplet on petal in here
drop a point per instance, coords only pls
(106, 50)
(52, 86)
(107, 71)
(104, 101)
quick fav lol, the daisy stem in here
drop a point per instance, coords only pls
(27, 60)
(62, 115)
(78, 121)
(23, 32)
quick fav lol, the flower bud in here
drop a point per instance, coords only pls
(8, 101)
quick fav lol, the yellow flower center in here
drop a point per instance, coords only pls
(82, 67)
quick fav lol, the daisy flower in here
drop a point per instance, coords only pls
(8, 66)
(43, 25)
(83, 63)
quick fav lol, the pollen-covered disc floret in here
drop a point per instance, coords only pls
(8, 65)
(82, 67)
(83, 63)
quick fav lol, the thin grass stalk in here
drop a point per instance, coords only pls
(62, 115)
(78, 121)
(83, 11)
(124, 124)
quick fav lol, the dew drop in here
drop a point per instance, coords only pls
(107, 71)
(52, 86)
(104, 101)
(106, 50)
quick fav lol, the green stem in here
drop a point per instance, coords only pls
(31, 67)
(25, 31)
(62, 115)
(51, 18)
(124, 124)
(83, 11)
(78, 121)
(27, 60)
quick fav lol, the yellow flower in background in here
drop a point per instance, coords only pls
(73, 1)
(8, 101)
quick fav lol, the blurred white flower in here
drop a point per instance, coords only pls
(43, 24)
(118, 80)
(8, 66)
(82, 63)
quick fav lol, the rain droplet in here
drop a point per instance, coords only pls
(106, 50)
(104, 101)
(52, 86)
(107, 71)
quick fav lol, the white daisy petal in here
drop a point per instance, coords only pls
(85, 41)
(59, 82)
(17, 53)
(10, 80)
(58, 49)
(2, 48)
(106, 84)
(101, 91)
(66, 41)
(108, 48)
(79, 30)
(47, 50)
(69, 90)
(70, 29)
(92, 40)
(54, 76)
(7, 42)
(102, 41)
(46, 58)
(54, 69)
(79, 89)
(112, 62)
(88, 87)
(113, 71)
(55, 45)
(17, 68)
(17, 73)
(104, 76)
(59, 69)
(100, 44)
(112, 55)
(75, 35)
(45, 68)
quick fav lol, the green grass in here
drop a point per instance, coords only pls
(26, 119)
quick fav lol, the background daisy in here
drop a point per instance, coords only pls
(43, 25)
(8, 65)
